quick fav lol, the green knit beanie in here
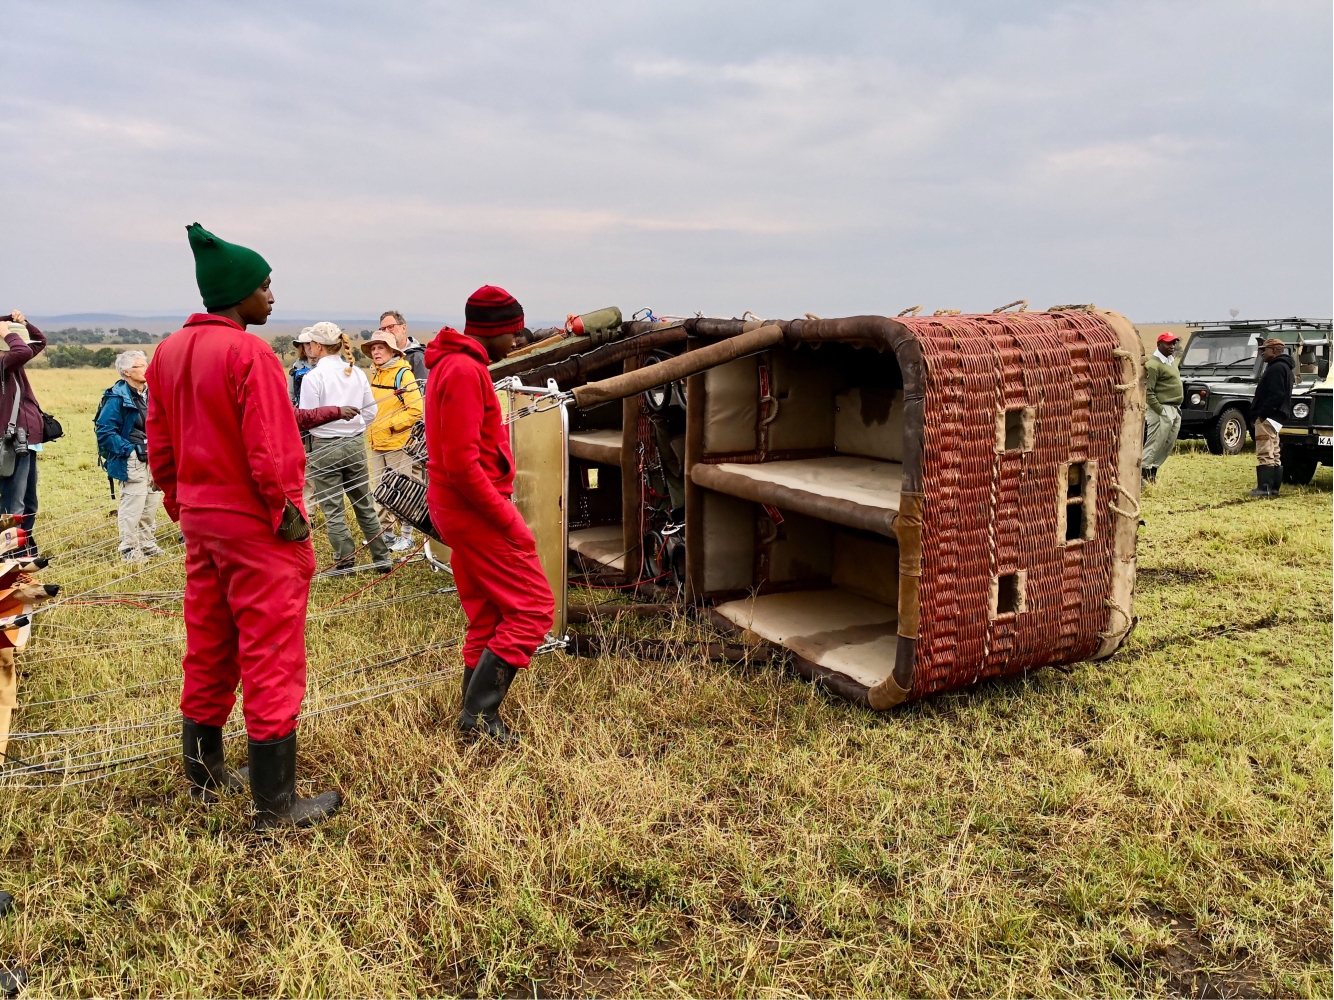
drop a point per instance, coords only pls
(225, 272)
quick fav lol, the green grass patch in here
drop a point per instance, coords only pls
(1155, 824)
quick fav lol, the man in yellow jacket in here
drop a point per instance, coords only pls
(398, 398)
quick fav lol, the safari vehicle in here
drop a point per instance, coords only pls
(1222, 365)
(1307, 440)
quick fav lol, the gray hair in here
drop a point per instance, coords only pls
(398, 317)
(126, 359)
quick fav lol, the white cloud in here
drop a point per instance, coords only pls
(838, 158)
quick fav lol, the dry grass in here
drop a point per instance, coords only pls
(1134, 827)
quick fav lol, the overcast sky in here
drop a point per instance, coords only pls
(1170, 160)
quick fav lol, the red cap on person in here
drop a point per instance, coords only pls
(1167, 336)
(491, 311)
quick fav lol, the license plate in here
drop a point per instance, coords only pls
(1325, 440)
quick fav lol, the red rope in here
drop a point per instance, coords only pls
(137, 604)
(375, 583)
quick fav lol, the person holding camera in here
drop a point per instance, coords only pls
(223, 446)
(23, 425)
(122, 443)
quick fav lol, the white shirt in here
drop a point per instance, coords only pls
(327, 385)
(1165, 359)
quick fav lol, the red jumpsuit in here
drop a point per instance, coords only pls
(470, 478)
(223, 447)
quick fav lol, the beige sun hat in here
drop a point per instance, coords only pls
(303, 337)
(382, 338)
(326, 333)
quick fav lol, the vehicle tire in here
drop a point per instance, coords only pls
(1299, 465)
(1227, 434)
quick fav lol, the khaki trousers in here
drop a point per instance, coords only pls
(1163, 429)
(337, 466)
(138, 509)
(1266, 444)
(395, 461)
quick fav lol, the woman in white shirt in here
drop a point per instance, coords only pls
(336, 463)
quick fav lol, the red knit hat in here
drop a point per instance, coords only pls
(492, 311)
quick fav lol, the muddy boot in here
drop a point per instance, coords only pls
(481, 705)
(467, 679)
(205, 766)
(273, 787)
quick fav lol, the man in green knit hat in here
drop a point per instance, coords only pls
(223, 447)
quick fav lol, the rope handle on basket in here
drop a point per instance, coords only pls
(1021, 303)
(1111, 604)
(910, 311)
(1133, 515)
(1124, 355)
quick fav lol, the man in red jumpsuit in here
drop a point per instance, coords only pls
(470, 479)
(224, 449)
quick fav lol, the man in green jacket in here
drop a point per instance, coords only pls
(1162, 379)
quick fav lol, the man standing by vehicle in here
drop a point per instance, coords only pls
(398, 399)
(224, 449)
(393, 323)
(500, 581)
(1162, 414)
(1269, 410)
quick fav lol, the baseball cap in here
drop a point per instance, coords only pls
(1167, 337)
(326, 333)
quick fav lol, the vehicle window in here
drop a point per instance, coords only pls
(1221, 350)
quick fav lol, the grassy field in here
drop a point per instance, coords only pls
(1156, 824)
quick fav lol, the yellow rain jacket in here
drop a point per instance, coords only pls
(399, 405)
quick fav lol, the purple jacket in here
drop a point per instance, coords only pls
(12, 364)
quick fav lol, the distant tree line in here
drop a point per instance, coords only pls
(77, 356)
(97, 335)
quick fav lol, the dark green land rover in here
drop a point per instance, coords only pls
(1222, 365)
(1307, 439)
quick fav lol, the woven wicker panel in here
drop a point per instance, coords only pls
(988, 514)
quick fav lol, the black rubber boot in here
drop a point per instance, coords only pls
(273, 787)
(481, 704)
(205, 766)
(1261, 483)
(467, 679)
(13, 980)
(1275, 480)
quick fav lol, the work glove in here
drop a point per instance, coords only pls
(294, 527)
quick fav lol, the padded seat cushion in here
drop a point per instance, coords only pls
(603, 446)
(834, 629)
(856, 492)
(604, 545)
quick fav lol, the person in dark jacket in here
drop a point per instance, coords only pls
(121, 436)
(18, 491)
(1269, 411)
(393, 323)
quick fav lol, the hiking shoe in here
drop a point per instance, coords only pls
(400, 544)
(132, 556)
